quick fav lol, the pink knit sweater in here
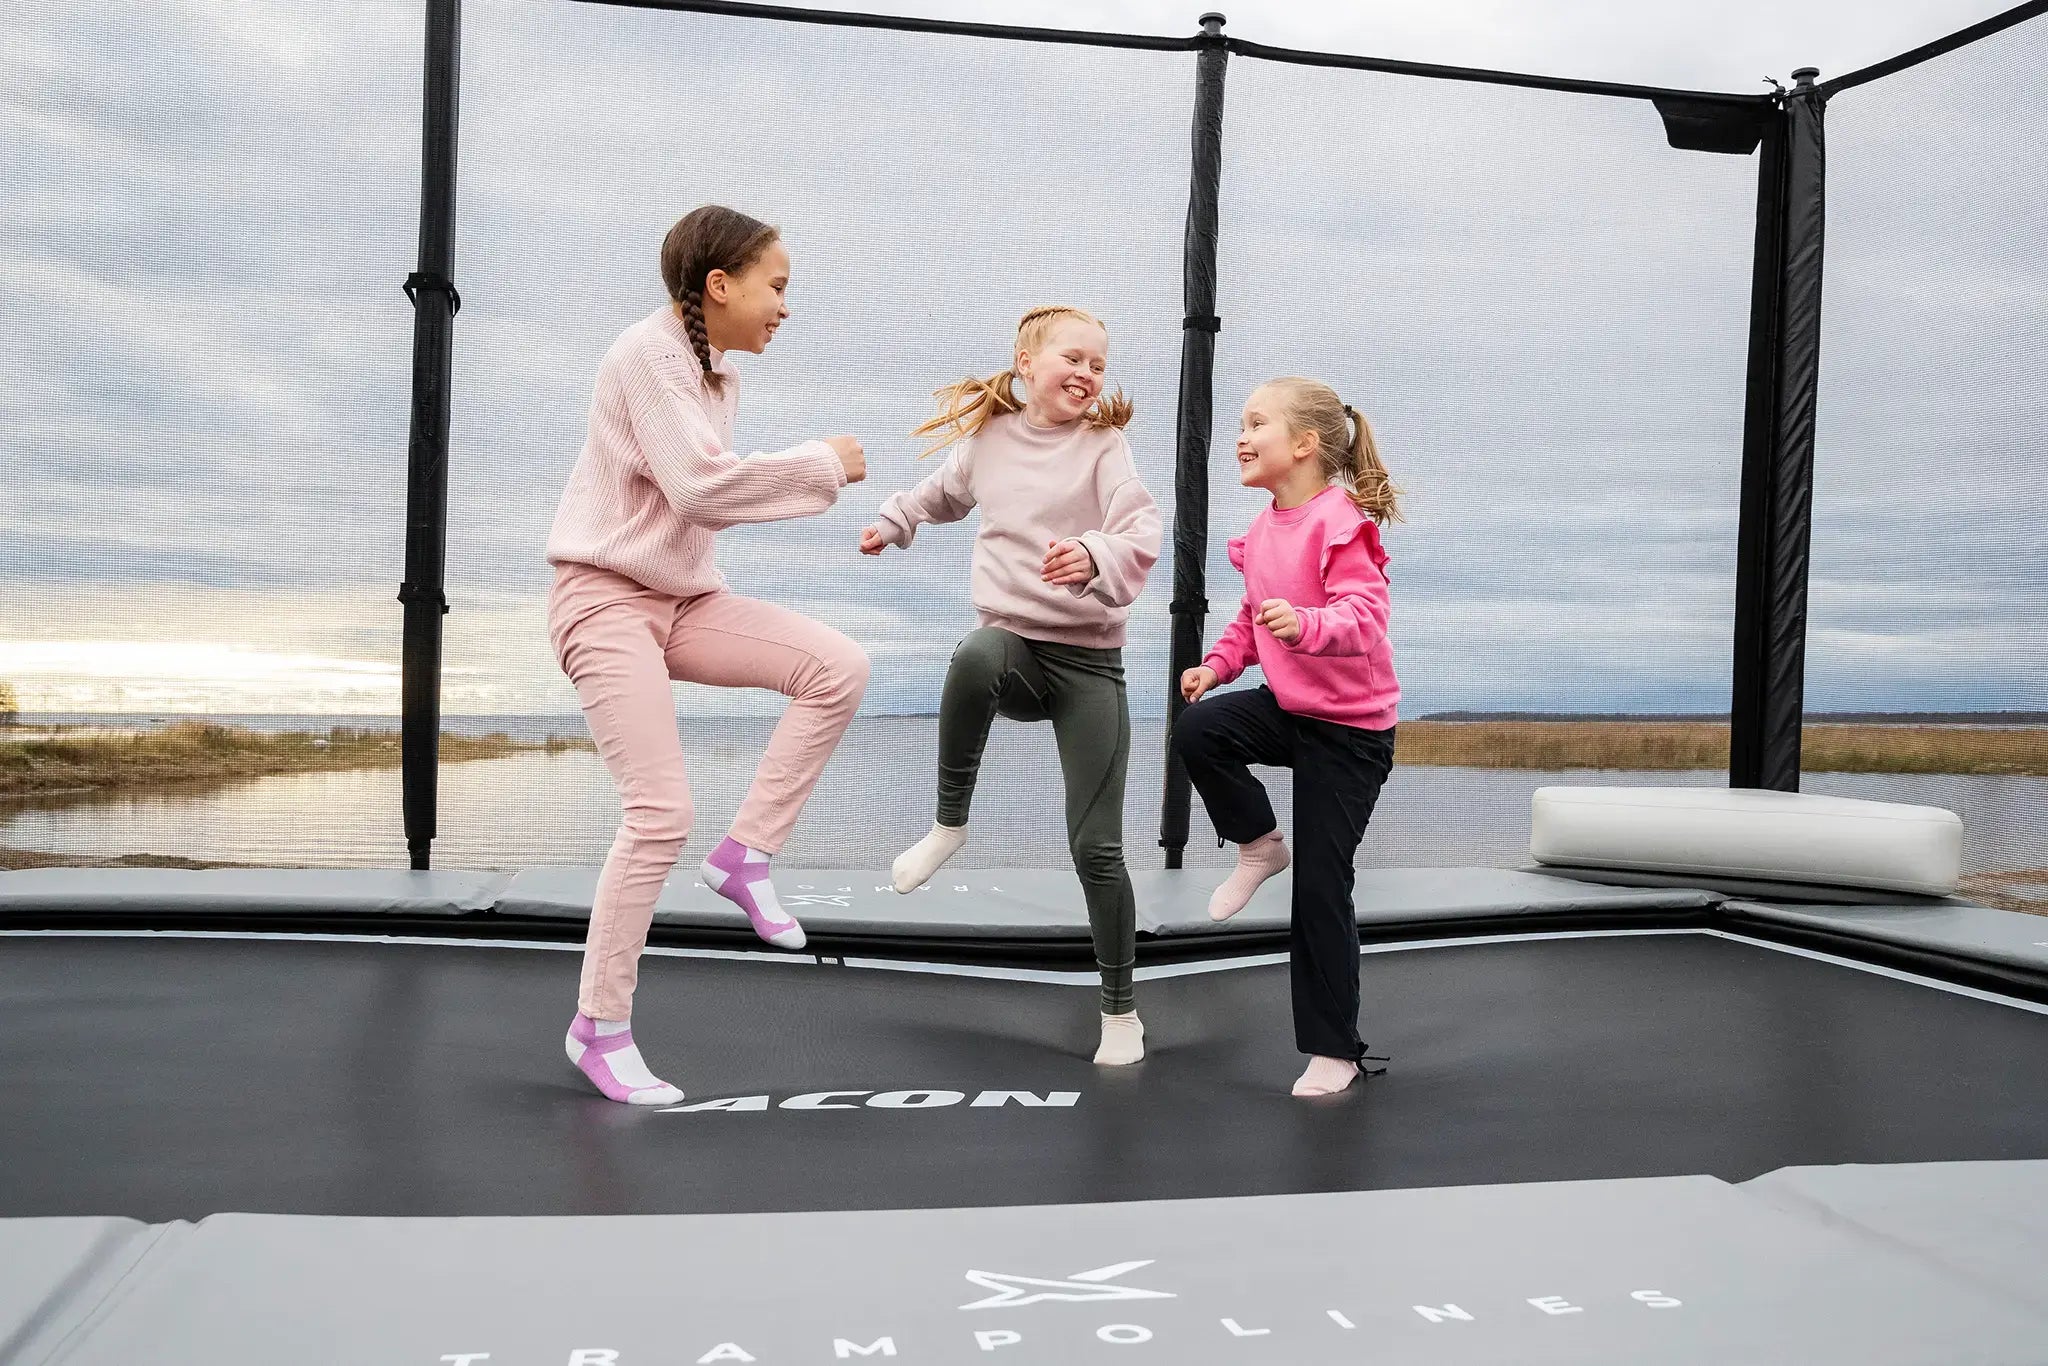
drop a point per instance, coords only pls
(1034, 486)
(657, 475)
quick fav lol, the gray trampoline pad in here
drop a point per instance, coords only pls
(142, 892)
(1177, 902)
(1952, 929)
(1985, 1221)
(1039, 903)
(1019, 903)
(1753, 889)
(1674, 1270)
(54, 1272)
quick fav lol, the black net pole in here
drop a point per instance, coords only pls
(1197, 395)
(1773, 543)
(432, 291)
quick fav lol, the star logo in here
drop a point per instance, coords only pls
(1082, 1287)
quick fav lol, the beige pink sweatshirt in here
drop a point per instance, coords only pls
(1034, 486)
(657, 474)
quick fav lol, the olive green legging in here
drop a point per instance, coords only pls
(1081, 691)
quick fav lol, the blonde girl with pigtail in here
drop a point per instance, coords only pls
(1314, 619)
(1068, 535)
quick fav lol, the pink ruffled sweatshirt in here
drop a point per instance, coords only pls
(1324, 559)
(657, 474)
(1036, 485)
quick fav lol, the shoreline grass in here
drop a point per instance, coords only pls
(1671, 746)
(198, 756)
(2020, 889)
(191, 754)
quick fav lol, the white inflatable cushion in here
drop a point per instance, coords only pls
(1782, 836)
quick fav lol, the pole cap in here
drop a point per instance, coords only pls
(1212, 21)
(1804, 77)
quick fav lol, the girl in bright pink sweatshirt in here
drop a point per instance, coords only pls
(1314, 619)
(1068, 534)
(638, 602)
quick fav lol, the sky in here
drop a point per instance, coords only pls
(1541, 306)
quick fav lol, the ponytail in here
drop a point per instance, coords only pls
(965, 406)
(1345, 448)
(1365, 477)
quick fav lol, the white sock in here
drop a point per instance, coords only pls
(632, 1071)
(1326, 1077)
(1256, 862)
(1123, 1041)
(914, 866)
(627, 1064)
(764, 894)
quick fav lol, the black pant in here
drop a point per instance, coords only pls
(1338, 772)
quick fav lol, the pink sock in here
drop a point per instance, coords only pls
(603, 1050)
(740, 875)
(1256, 862)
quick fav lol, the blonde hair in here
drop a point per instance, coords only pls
(966, 405)
(1344, 444)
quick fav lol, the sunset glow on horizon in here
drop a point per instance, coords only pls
(192, 676)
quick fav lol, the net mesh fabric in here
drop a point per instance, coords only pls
(956, 184)
(1542, 309)
(1929, 587)
(208, 372)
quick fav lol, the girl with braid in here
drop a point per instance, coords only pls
(1068, 534)
(638, 601)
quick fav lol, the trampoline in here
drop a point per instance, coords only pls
(322, 1115)
(1820, 1130)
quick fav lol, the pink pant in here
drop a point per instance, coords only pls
(621, 644)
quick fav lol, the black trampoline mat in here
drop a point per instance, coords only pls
(174, 1078)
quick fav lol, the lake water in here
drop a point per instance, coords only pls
(535, 809)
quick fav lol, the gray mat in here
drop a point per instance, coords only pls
(1985, 1222)
(1675, 1270)
(54, 1273)
(1177, 902)
(1959, 930)
(988, 903)
(1037, 903)
(1751, 888)
(246, 891)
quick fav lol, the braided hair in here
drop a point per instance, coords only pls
(703, 240)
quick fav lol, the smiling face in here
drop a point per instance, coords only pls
(1269, 456)
(742, 311)
(1063, 376)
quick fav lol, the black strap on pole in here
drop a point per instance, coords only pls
(1197, 394)
(434, 300)
(1776, 530)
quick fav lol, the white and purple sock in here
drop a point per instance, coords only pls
(604, 1051)
(740, 875)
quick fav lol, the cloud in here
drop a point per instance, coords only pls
(1542, 307)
